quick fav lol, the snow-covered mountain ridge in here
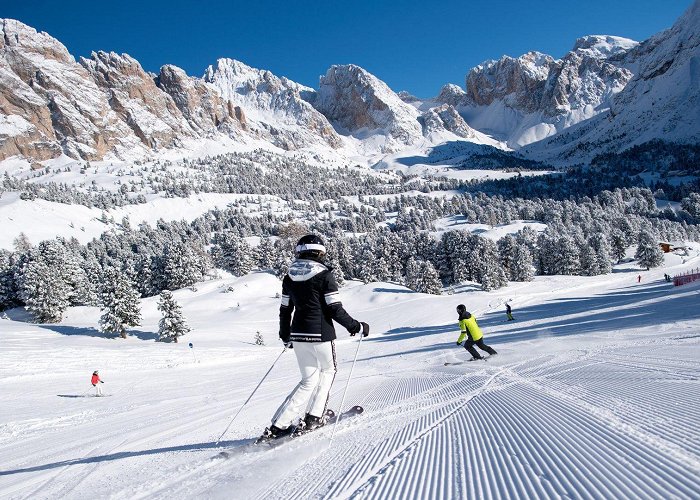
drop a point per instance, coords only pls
(606, 94)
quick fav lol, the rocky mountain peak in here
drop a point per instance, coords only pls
(361, 104)
(604, 46)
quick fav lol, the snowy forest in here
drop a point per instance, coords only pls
(378, 226)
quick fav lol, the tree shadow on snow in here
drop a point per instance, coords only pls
(93, 332)
(129, 454)
(392, 290)
(627, 308)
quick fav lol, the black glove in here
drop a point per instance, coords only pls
(459, 344)
(102, 382)
(365, 329)
(355, 332)
(288, 344)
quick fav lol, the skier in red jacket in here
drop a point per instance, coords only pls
(95, 381)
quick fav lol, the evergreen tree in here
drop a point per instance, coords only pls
(490, 274)
(521, 268)
(599, 242)
(428, 280)
(42, 284)
(412, 273)
(589, 261)
(182, 266)
(619, 244)
(120, 303)
(172, 324)
(649, 253)
(8, 289)
(233, 254)
(265, 254)
(567, 260)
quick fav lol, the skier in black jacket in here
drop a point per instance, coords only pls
(310, 303)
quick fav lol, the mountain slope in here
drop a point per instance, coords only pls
(525, 99)
(662, 101)
(577, 403)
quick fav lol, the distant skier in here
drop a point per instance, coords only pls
(310, 294)
(509, 312)
(473, 334)
(639, 278)
(96, 381)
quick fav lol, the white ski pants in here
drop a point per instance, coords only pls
(98, 389)
(317, 366)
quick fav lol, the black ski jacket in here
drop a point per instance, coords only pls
(310, 292)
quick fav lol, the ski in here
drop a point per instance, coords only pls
(351, 412)
(257, 445)
(467, 361)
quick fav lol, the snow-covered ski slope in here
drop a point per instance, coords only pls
(594, 394)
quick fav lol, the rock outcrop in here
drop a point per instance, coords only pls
(363, 106)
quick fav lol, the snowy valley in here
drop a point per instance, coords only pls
(147, 221)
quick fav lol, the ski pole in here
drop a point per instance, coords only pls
(251, 395)
(347, 384)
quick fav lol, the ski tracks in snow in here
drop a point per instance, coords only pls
(546, 427)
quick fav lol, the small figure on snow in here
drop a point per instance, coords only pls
(96, 381)
(639, 278)
(471, 331)
(310, 303)
(509, 312)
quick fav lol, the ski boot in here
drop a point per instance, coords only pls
(271, 433)
(311, 422)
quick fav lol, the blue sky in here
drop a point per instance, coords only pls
(411, 45)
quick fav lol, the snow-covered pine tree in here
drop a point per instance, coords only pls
(691, 204)
(120, 303)
(42, 284)
(589, 261)
(428, 280)
(412, 273)
(182, 265)
(490, 274)
(618, 243)
(649, 253)
(8, 288)
(521, 268)
(233, 254)
(332, 262)
(599, 242)
(172, 324)
(567, 260)
(506, 250)
(265, 253)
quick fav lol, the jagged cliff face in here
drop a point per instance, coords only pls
(661, 101)
(525, 99)
(275, 107)
(607, 92)
(108, 105)
(363, 106)
(48, 102)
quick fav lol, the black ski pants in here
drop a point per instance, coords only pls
(469, 346)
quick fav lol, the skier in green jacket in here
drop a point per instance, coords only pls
(471, 331)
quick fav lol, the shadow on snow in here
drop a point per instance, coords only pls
(636, 306)
(127, 454)
(93, 332)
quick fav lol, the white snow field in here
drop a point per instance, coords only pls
(594, 394)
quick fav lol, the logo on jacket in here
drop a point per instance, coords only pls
(302, 269)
